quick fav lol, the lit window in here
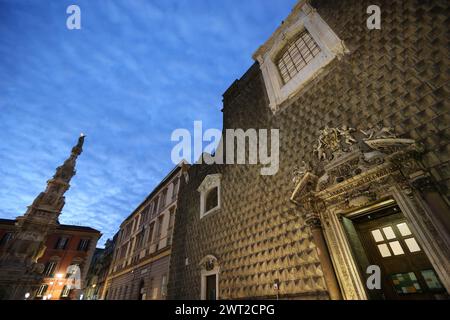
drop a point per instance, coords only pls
(412, 244)
(65, 292)
(42, 290)
(405, 283)
(396, 248)
(297, 55)
(377, 236)
(389, 233)
(384, 250)
(404, 229)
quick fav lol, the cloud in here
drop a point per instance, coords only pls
(136, 71)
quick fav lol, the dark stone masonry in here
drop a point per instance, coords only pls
(394, 77)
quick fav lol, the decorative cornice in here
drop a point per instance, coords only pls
(210, 181)
(159, 255)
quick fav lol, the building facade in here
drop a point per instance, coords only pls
(99, 270)
(364, 171)
(66, 247)
(140, 265)
(39, 257)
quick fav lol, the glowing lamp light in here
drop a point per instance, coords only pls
(49, 296)
(59, 275)
(60, 283)
(44, 298)
(27, 295)
(94, 285)
(51, 283)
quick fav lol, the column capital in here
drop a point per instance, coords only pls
(313, 221)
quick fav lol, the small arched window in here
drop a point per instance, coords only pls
(296, 55)
(212, 198)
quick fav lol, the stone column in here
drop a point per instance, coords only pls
(315, 226)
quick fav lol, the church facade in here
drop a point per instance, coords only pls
(363, 183)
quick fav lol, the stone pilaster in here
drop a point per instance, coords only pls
(315, 225)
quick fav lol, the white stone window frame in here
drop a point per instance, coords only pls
(302, 18)
(210, 182)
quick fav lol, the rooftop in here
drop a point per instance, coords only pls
(60, 227)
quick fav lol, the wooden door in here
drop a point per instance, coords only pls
(389, 243)
(211, 287)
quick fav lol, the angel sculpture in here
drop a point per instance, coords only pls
(299, 172)
(345, 132)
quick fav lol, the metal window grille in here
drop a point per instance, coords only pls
(297, 55)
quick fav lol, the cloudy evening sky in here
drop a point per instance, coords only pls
(136, 71)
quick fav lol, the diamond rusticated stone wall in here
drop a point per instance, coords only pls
(396, 77)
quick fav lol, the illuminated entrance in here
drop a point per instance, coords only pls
(386, 240)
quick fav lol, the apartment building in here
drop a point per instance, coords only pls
(66, 247)
(140, 265)
(98, 272)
